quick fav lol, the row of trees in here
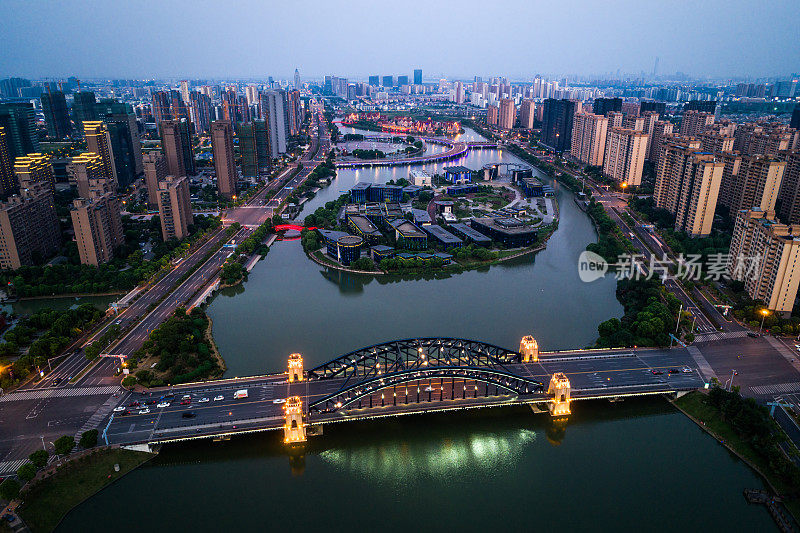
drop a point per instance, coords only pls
(368, 154)
(610, 243)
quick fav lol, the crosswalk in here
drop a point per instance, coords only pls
(39, 394)
(98, 416)
(10, 467)
(719, 336)
(776, 389)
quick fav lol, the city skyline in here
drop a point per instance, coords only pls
(536, 39)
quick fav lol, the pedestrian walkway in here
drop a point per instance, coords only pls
(705, 369)
(10, 467)
(776, 389)
(702, 337)
(38, 394)
(98, 416)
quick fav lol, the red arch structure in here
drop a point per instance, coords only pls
(286, 227)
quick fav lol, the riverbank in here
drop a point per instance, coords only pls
(48, 500)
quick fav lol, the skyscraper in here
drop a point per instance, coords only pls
(56, 116)
(557, 123)
(19, 121)
(417, 76)
(527, 113)
(7, 183)
(508, 114)
(161, 107)
(176, 144)
(125, 142)
(224, 158)
(374, 81)
(83, 109)
(254, 148)
(200, 111)
(388, 81)
(84, 168)
(29, 229)
(601, 106)
(174, 207)
(588, 143)
(294, 112)
(624, 157)
(402, 80)
(185, 91)
(32, 169)
(750, 181)
(274, 111)
(795, 121)
(98, 226)
(297, 79)
(155, 170)
(789, 195)
(492, 115)
(661, 131)
(98, 140)
(695, 122)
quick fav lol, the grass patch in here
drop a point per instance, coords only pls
(46, 503)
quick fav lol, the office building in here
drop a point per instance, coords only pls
(388, 81)
(374, 81)
(254, 148)
(527, 114)
(7, 182)
(29, 228)
(34, 168)
(624, 157)
(794, 122)
(750, 181)
(224, 158)
(83, 109)
(695, 122)
(789, 194)
(98, 141)
(19, 121)
(508, 114)
(174, 207)
(557, 123)
(601, 106)
(155, 170)
(297, 79)
(176, 143)
(97, 224)
(126, 145)
(588, 143)
(764, 256)
(56, 115)
(84, 168)
(417, 77)
(687, 185)
(402, 80)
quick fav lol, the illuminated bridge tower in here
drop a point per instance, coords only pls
(560, 389)
(529, 349)
(295, 367)
(294, 429)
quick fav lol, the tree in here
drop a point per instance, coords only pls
(64, 444)
(39, 458)
(26, 472)
(9, 489)
(88, 439)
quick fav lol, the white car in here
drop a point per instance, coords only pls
(279, 400)
(119, 409)
(218, 398)
(162, 405)
(203, 400)
(686, 370)
(144, 411)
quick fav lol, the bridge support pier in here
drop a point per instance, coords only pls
(294, 429)
(529, 349)
(295, 367)
(560, 389)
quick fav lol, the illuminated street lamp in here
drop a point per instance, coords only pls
(764, 313)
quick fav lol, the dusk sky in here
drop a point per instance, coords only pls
(518, 39)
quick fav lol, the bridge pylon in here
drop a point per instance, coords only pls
(560, 389)
(294, 429)
(529, 349)
(296, 368)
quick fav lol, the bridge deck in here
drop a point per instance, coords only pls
(598, 375)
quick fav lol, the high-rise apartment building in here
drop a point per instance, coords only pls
(254, 148)
(633, 122)
(695, 122)
(83, 109)
(176, 143)
(294, 111)
(84, 168)
(615, 119)
(625, 154)
(794, 122)
(19, 121)
(98, 141)
(97, 224)
(492, 115)
(417, 76)
(508, 114)
(602, 106)
(161, 106)
(557, 123)
(687, 185)
(274, 110)
(662, 130)
(200, 111)
(224, 158)
(185, 91)
(126, 146)
(34, 168)
(155, 170)
(459, 93)
(764, 256)
(7, 182)
(56, 114)
(589, 133)
(527, 114)
(658, 107)
(174, 207)
(789, 194)
(29, 229)
(711, 141)
(750, 181)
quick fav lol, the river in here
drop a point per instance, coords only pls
(624, 466)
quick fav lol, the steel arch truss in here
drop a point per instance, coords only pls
(413, 354)
(500, 378)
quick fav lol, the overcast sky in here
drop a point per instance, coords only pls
(518, 39)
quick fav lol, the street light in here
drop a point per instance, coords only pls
(764, 313)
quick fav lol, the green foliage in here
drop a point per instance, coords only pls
(9, 489)
(414, 264)
(325, 217)
(353, 137)
(232, 272)
(64, 445)
(88, 439)
(610, 241)
(363, 263)
(39, 458)
(368, 154)
(129, 381)
(94, 349)
(474, 253)
(26, 472)
(310, 240)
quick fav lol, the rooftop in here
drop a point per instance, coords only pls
(406, 228)
(470, 233)
(457, 169)
(442, 234)
(508, 225)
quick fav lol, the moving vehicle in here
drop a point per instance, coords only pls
(203, 400)
(240, 394)
(656, 372)
(279, 400)
(186, 402)
(119, 409)
(187, 397)
(162, 405)
(218, 398)
(144, 411)
(686, 370)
